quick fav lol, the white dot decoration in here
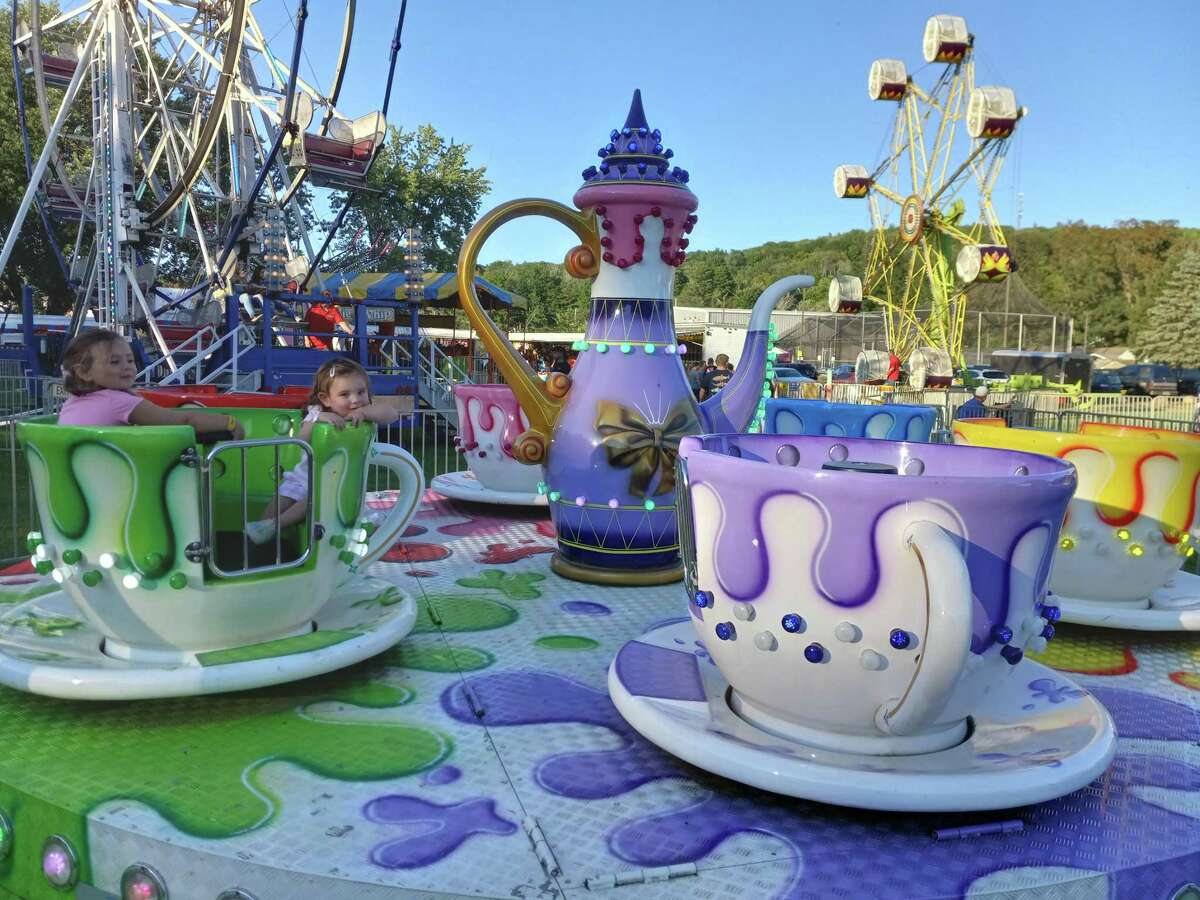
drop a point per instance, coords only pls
(914, 466)
(872, 661)
(743, 611)
(839, 453)
(1021, 470)
(847, 632)
(787, 455)
(764, 640)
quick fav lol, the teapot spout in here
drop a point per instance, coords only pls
(733, 408)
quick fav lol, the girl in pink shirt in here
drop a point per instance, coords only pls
(98, 373)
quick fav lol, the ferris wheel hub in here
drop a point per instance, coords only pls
(912, 219)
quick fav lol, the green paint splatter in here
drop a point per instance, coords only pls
(37, 590)
(390, 597)
(195, 760)
(46, 626)
(518, 586)
(566, 642)
(462, 612)
(439, 658)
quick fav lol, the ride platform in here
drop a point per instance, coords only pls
(482, 757)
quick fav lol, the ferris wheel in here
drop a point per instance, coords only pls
(930, 198)
(176, 140)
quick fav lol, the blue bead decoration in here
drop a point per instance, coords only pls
(642, 167)
(662, 167)
(611, 148)
(642, 132)
(1051, 613)
(614, 134)
(1001, 634)
(814, 653)
(658, 148)
(703, 599)
(792, 623)
(669, 154)
(1048, 631)
(633, 146)
(656, 134)
(725, 631)
(900, 639)
(604, 167)
(627, 131)
(1012, 655)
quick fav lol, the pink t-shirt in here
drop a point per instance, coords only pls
(103, 407)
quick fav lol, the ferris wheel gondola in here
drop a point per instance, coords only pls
(948, 144)
(165, 124)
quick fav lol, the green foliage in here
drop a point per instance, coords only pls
(1171, 333)
(557, 302)
(420, 179)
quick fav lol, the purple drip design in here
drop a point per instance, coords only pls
(649, 671)
(543, 698)
(585, 608)
(445, 828)
(839, 850)
(442, 775)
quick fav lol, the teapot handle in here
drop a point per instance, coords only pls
(541, 401)
(946, 643)
(411, 489)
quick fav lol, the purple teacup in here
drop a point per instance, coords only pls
(864, 595)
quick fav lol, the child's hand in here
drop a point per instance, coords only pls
(333, 419)
(239, 433)
(357, 416)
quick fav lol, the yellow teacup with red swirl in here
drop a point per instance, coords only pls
(1128, 527)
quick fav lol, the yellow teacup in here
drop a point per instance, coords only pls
(1128, 528)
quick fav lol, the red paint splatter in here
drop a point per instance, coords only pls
(24, 567)
(416, 552)
(546, 529)
(414, 530)
(420, 573)
(502, 554)
(1190, 680)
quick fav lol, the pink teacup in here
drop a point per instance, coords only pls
(489, 423)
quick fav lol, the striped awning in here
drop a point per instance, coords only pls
(441, 289)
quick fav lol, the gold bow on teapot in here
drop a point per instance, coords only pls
(631, 441)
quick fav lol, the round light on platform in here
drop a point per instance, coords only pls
(141, 882)
(236, 894)
(6, 835)
(60, 863)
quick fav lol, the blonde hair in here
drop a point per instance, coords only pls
(77, 359)
(335, 368)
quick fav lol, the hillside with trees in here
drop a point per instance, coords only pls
(1108, 278)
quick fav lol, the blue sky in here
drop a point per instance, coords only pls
(761, 100)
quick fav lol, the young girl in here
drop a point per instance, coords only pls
(98, 373)
(341, 394)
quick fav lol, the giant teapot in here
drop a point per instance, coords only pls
(608, 433)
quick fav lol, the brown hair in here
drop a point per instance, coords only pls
(335, 368)
(77, 359)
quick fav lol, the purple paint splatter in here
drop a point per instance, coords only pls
(585, 608)
(439, 831)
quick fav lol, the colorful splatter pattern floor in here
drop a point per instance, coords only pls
(482, 757)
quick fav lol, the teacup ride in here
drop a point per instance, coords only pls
(174, 396)
(1129, 529)
(490, 421)
(863, 610)
(160, 591)
(892, 421)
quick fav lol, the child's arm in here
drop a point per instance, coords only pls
(378, 411)
(147, 413)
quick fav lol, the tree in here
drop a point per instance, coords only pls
(1172, 330)
(419, 179)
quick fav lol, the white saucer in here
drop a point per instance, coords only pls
(47, 647)
(465, 486)
(1039, 736)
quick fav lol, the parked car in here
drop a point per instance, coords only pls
(1152, 379)
(807, 369)
(1106, 382)
(844, 374)
(988, 375)
(787, 376)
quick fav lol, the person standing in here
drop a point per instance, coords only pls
(715, 380)
(975, 408)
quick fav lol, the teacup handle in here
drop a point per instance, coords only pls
(947, 639)
(412, 488)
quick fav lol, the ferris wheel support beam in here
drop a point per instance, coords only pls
(387, 99)
(35, 59)
(28, 152)
(240, 221)
(39, 169)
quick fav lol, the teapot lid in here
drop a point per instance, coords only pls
(635, 154)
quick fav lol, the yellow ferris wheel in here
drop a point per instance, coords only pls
(947, 146)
